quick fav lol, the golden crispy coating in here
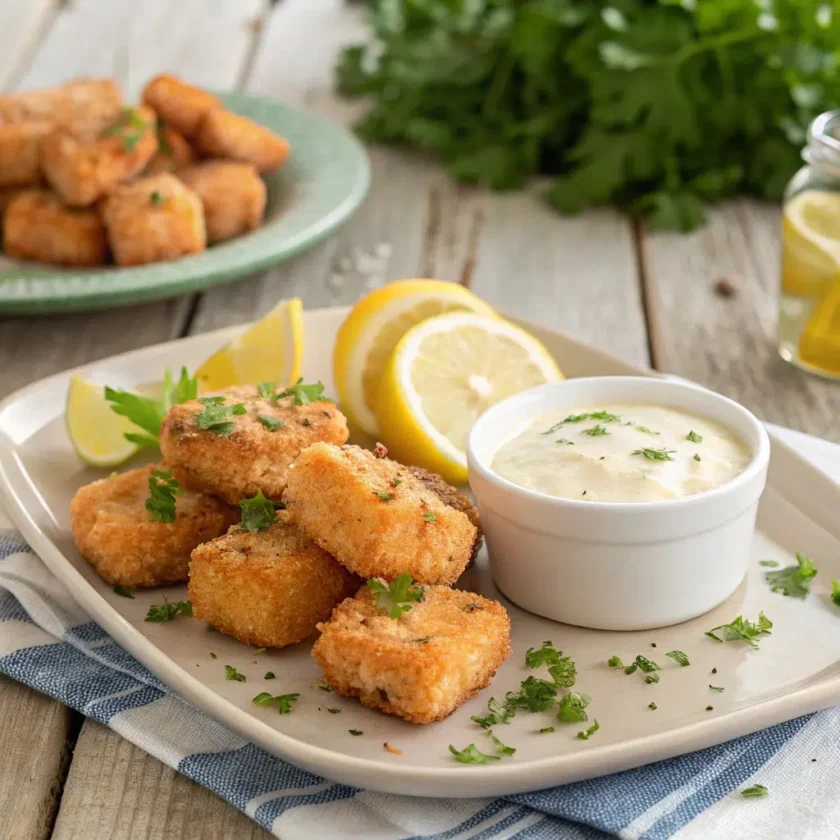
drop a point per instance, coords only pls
(375, 517)
(154, 218)
(251, 458)
(174, 152)
(20, 150)
(421, 666)
(227, 135)
(233, 195)
(268, 589)
(83, 165)
(37, 226)
(7, 196)
(115, 534)
(181, 105)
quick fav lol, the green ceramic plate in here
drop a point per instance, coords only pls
(323, 182)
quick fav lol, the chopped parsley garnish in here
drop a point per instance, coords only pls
(396, 597)
(282, 701)
(168, 610)
(754, 791)
(715, 687)
(119, 589)
(694, 437)
(396, 482)
(646, 664)
(652, 706)
(212, 655)
(572, 707)
(148, 413)
(794, 581)
(334, 711)
(710, 708)
(631, 669)
(534, 695)
(742, 630)
(469, 755)
(835, 591)
(656, 454)
(271, 423)
(429, 516)
(599, 416)
(258, 513)
(232, 674)
(595, 431)
(546, 730)
(214, 416)
(425, 640)
(266, 390)
(565, 442)
(156, 198)
(587, 733)
(646, 430)
(500, 747)
(615, 662)
(163, 489)
(303, 394)
(696, 457)
(258, 651)
(679, 657)
(561, 668)
(269, 675)
(385, 497)
(652, 678)
(355, 732)
(770, 564)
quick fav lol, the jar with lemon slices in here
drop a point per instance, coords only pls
(809, 309)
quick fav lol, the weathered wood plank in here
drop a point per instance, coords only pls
(34, 753)
(22, 24)
(114, 790)
(729, 344)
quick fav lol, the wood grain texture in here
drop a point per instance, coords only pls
(35, 750)
(729, 344)
(115, 791)
(22, 25)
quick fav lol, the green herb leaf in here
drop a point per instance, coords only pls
(652, 706)
(258, 513)
(500, 747)
(646, 430)
(715, 687)
(385, 497)
(469, 755)
(214, 417)
(266, 390)
(546, 730)
(631, 669)
(694, 437)
(835, 591)
(572, 707)
(269, 675)
(534, 695)
(679, 657)
(355, 732)
(595, 431)
(794, 581)
(168, 610)
(601, 416)
(429, 516)
(232, 674)
(119, 589)
(754, 791)
(303, 394)
(334, 711)
(561, 668)
(646, 664)
(696, 457)
(652, 678)
(258, 651)
(587, 733)
(771, 564)
(163, 489)
(615, 662)
(271, 423)
(655, 454)
(156, 198)
(396, 597)
(742, 630)
(282, 701)
(212, 655)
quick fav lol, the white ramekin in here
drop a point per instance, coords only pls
(616, 565)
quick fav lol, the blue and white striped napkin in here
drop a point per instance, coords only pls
(48, 643)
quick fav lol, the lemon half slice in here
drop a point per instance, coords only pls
(443, 374)
(810, 242)
(96, 433)
(374, 327)
(270, 350)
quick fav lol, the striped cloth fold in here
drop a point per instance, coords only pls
(48, 643)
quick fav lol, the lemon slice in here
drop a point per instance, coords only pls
(442, 375)
(268, 351)
(810, 242)
(374, 327)
(97, 434)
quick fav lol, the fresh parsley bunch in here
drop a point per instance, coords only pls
(657, 106)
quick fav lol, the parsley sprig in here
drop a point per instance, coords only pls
(163, 489)
(215, 416)
(258, 513)
(794, 581)
(396, 598)
(599, 416)
(300, 392)
(282, 701)
(835, 591)
(656, 454)
(472, 755)
(168, 610)
(754, 791)
(742, 630)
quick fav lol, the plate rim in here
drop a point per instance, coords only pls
(457, 781)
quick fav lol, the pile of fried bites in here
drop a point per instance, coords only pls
(317, 519)
(83, 177)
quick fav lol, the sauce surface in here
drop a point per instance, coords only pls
(622, 453)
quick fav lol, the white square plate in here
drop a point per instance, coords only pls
(796, 670)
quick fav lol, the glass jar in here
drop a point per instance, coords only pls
(809, 303)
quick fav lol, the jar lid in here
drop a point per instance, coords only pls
(823, 149)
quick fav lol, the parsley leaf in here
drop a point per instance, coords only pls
(303, 394)
(266, 390)
(646, 430)
(395, 598)
(572, 707)
(794, 581)
(119, 589)
(355, 732)
(601, 416)
(754, 791)
(561, 668)
(646, 664)
(679, 657)
(159, 613)
(215, 415)
(500, 747)
(163, 489)
(742, 630)
(615, 662)
(534, 695)
(770, 564)
(652, 706)
(471, 755)
(271, 423)
(595, 431)
(835, 591)
(546, 730)
(694, 437)
(586, 734)
(429, 516)
(232, 674)
(258, 513)
(282, 701)
(656, 454)
(715, 687)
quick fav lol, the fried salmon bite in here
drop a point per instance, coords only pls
(267, 589)
(116, 534)
(420, 666)
(376, 517)
(239, 443)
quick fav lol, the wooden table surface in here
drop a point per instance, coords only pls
(647, 297)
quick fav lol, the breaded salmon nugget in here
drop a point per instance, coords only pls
(233, 195)
(267, 589)
(20, 152)
(420, 666)
(174, 152)
(224, 134)
(116, 534)
(250, 447)
(37, 226)
(152, 219)
(375, 517)
(179, 104)
(82, 165)
(7, 196)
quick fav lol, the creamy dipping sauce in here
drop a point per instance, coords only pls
(622, 453)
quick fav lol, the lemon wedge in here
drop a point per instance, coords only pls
(442, 375)
(374, 327)
(270, 350)
(810, 242)
(96, 433)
